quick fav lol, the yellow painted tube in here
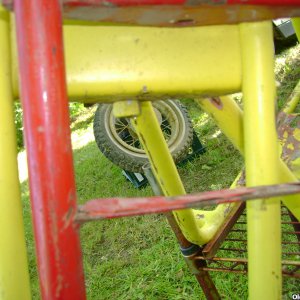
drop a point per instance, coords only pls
(261, 159)
(229, 118)
(296, 25)
(122, 64)
(163, 167)
(198, 226)
(14, 278)
(293, 100)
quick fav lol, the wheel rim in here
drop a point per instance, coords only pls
(124, 137)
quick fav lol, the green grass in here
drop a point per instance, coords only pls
(138, 258)
(287, 73)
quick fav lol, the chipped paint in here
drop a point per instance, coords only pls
(76, 3)
(217, 102)
(175, 15)
(297, 134)
(289, 138)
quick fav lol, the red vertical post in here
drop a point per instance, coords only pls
(47, 133)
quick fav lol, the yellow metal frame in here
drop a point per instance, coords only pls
(229, 118)
(261, 159)
(293, 100)
(296, 25)
(120, 63)
(14, 278)
(263, 165)
(198, 226)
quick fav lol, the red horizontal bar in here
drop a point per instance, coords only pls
(176, 13)
(111, 3)
(125, 207)
(265, 2)
(177, 2)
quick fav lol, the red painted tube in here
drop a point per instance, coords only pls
(265, 2)
(179, 2)
(109, 208)
(47, 133)
(76, 3)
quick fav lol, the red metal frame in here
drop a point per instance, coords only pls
(171, 2)
(177, 15)
(180, 2)
(180, 13)
(47, 133)
(126, 207)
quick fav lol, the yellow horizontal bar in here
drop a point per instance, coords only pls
(106, 63)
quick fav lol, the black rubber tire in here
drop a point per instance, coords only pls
(129, 160)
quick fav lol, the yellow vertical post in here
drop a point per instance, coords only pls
(296, 25)
(261, 159)
(14, 278)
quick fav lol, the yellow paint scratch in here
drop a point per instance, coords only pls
(290, 146)
(296, 134)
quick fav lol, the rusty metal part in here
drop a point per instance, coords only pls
(114, 3)
(289, 137)
(198, 267)
(182, 2)
(212, 247)
(295, 224)
(288, 129)
(178, 13)
(183, 242)
(195, 267)
(121, 207)
(233, 259)
(180, 16)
